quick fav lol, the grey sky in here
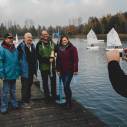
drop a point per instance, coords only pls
(57, 12)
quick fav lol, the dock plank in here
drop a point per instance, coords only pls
(48, 115)
(34, 90)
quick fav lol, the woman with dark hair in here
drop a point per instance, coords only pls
(67, 66)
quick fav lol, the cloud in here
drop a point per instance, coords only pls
(57, 12)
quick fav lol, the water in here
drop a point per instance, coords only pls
(94, 90)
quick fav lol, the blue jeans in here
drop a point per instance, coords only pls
(66, 78)
(13, 100)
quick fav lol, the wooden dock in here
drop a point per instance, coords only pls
(47, 115)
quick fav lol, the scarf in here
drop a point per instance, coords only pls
(62, 48)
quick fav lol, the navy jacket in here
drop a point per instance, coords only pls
(24, 69)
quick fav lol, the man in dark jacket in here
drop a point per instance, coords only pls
(43, 51)
(9, 72)
(116, 75)
(28, 67)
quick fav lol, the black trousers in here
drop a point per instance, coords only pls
(45, 75)
(26, 88)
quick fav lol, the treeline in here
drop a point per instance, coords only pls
(100, 26)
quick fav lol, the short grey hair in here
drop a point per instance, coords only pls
(26, 34)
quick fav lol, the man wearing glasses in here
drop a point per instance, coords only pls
(9, 72)
(43, 50)
(28, 67)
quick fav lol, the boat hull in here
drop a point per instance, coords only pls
(101, 40)
(95, 47)
(110, 49)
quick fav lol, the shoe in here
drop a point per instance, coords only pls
(53, 99)
(17, 108)
(67, 106)
(5, 113)
(46, 101)
(26, 105)
(31, 102)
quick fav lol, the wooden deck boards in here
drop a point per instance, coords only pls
(35, 91)
(48, 115)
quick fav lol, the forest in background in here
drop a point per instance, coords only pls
(100, 26)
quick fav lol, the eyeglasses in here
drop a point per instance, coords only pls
(44, 34)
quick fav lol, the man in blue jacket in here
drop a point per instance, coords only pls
(28, 67)
(9, 72)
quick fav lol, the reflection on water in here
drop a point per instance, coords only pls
(94, 90)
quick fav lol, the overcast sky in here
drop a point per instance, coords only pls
(57, 12)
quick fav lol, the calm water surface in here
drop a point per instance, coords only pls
(94, 90)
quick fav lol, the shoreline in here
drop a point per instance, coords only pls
(99, 36)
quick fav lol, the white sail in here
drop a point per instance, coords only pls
(91, 38)
(16, 38)
(113, 38)
(16, 41)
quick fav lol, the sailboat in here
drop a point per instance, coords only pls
(113, 40)
(16, 41)
(92, 40)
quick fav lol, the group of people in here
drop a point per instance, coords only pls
(23, 61)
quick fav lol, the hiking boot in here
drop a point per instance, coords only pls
(31, 102)
(26, 105)
(5, 113)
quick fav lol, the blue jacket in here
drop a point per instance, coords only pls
(9, 65)
(24, 70)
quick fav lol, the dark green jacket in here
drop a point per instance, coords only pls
(43, 54)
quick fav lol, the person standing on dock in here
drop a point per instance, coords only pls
(43, 50)
(9, 72)
(28, 67)
(67, 66)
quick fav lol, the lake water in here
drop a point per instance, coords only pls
(94, 90)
